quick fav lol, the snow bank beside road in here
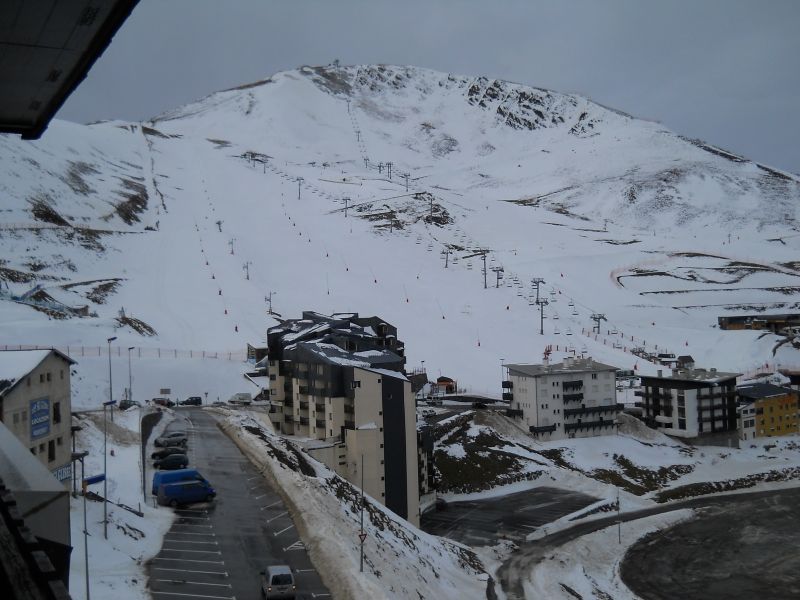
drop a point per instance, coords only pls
(116, 565)
(400, 561)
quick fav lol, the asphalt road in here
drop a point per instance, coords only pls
(217, 550)
(519, 565)
(744, 550)
(513, 517)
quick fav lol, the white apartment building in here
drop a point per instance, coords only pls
(574, 398)
(35, 405)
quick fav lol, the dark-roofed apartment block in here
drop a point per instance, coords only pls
(339, 381)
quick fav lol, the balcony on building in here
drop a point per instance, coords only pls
(320, 423)
(349, 409)
(514, 412)
(303, 404)
(542, 429)
(288, 402)
(588, 425)
(303, 389)
(592, 409)
(508, 396)
(508, 385)
(572, 386)
(573, 397)
(320, 406)
(288, 418)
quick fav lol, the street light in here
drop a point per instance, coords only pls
(105, 441)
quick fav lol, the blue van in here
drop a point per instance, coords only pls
(185, 492)
(162, 477)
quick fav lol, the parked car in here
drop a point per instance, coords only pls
(163, 402)
(171, 462)
(277, 581)
(185, 492)
(167, 451)
(428, 412)
(126, 404)
(244, 398)
(192, 401)
(172, 440)
(163, 477)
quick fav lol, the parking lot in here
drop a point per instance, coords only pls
(484, 522)
(217, 550)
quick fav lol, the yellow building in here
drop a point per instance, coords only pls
(768, 410)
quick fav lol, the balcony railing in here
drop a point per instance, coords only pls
(573, 397)
(513, 412)
(542, 429)
(288, 402)
(303, 389)
(568, 386)
(508, 385)
(303, 420)
(508, 396)
(320, 423)
(320, 407)
(588, 425)
(592, 409)
(288, 418)
(303, 404)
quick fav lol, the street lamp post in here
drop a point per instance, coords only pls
(105, 442)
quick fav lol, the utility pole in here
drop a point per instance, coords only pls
(597, 317)
(536, 282)
(269, 299)
(366, 162)
(346, 200)
(380, 167)
(105, 438)
(389, 169)
(299, 183)
(484, 269)
(362, 536)
(431, 218)
(405, 176)
(230, 243)
(246, 267)
(542, 303)
(446, 253)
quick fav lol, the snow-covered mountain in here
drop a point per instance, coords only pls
(379, 190)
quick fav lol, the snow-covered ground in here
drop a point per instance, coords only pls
(589, 566)
(116, 564)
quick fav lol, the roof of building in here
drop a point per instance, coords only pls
(697, 375)
(333, 354)
(387, 373)
(48, 48)
(16, 364)
(569, 365)
(758, 391)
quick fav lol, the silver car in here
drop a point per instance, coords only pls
(277, 582)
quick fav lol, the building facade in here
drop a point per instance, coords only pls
(574, 398)
(767, 410)
(338, 380)
(689, 403)
(35, 405)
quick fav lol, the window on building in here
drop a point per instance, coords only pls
(51, 451)
(356, 384)
(16, 418)
(59, 441)
(681, 423)
(41, 448)
(56, 412)
(41, 377)
(48, 376)
(61, 374)
(272, 377)
(594, 375)
(33, 450)
(381, 445)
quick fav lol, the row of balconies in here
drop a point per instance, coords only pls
(542, 429)
(572, 385)
(572, 397)
(592, 409)
(588, 425)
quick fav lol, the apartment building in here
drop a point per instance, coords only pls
(338, 381)
(574, 398)
(689, 403)
(35, 405)
(767, 410)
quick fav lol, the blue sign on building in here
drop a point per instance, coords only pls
(40, 417)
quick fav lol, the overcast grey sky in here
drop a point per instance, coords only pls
(722, 70)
